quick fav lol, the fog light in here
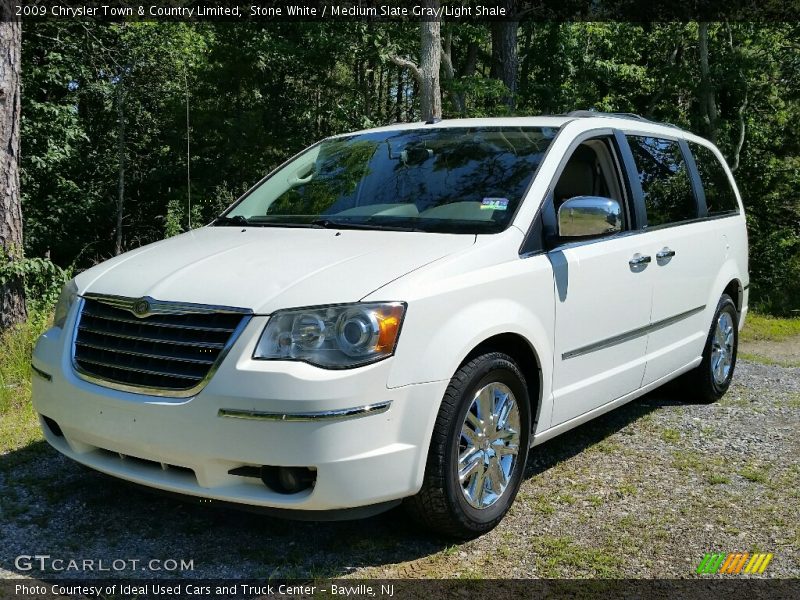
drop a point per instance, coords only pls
(53, 426)
(288, 480)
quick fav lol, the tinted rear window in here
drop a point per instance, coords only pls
(667, 189)
(720, 197)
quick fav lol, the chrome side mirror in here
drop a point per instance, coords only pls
(584, 216)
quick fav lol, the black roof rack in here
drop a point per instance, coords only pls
(618, 115)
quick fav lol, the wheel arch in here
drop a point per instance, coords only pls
(524, 354)
(735, 290)
(728, 281)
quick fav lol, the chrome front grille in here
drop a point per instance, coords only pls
(149, 346)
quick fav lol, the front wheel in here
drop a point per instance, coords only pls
(709, 382)
(478, 450)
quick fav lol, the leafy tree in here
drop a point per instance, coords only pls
(125, 125)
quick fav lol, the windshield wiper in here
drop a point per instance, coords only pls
(368, 223)
(240, 220)
(236, 221)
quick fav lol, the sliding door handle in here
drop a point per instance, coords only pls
(665, 253)
(639, 260)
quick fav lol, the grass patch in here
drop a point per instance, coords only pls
(763, 327)
(717, 479)
(18, 422)
(606, 447)
(561, 556)
(712, 469)
(671, 435)
(688, 461)
(755, 474)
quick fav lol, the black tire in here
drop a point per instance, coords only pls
(700, 384)
(441, 504)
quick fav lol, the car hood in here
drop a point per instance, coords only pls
(265, 269)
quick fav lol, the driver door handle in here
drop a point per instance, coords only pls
(665, 253)
(639, 260)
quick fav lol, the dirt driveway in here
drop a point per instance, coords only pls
(644, 491)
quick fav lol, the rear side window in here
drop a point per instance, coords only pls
(720, 197)
(667, 189)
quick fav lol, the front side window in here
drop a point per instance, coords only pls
(720, 197)
(459, 180)
(667, 189)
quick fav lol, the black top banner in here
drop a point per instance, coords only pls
(463, 11)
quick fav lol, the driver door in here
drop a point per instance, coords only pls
(603, 295)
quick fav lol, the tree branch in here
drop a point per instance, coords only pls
(673, 59)
(742, 130)
(404, 63)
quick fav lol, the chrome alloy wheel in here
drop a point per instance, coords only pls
(722, 348)
(489, 445)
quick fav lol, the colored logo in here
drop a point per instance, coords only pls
(734, 563)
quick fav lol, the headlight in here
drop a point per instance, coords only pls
(65, 301)
(334, 337)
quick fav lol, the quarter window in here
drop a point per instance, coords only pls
(720, 197)
(667, 189)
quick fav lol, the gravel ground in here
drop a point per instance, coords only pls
(644, 491)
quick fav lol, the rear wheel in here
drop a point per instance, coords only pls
(709, 382)
(478, 450)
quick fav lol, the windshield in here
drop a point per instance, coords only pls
(461, 180)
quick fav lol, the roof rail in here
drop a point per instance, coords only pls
(618, 115)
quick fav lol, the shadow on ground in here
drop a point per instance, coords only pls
(51, 505)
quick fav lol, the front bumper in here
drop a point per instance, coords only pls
(188, 446)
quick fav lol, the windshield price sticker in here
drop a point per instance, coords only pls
(494, 204)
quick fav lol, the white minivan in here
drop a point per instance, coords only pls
(399, 314)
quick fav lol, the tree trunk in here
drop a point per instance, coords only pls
(449, 72)
(471, 61)
(707, 100)
(121, 164)
(504, 54)
(527, 59)
(426, 75)
(430, 63)
(400, 96)
(12, 293)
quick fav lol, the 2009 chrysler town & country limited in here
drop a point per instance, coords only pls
(401, 313)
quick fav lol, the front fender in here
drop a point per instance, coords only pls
(443, 325)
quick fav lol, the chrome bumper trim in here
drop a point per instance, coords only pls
(324, 415)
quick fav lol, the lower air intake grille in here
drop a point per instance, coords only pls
(146, 345)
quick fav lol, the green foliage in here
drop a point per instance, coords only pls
(43, 280)
(177, 221)
(257, 93)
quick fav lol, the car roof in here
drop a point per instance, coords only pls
(589, 120)
(545, 121)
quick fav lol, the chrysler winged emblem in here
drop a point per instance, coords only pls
(141, 307)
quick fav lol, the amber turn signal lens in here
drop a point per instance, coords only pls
(389, 319)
